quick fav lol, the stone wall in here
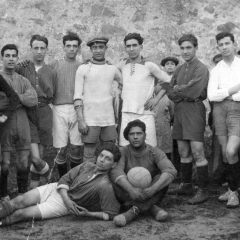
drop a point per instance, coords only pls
(161, 22)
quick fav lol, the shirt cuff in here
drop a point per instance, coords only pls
(63, 186)
(117, 178)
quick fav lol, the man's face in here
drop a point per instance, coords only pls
(226, 47)
(136, 137)
(188, 51)
(133, 48)
(105, 161)
(71, 49)
(39, 50)
(98, 51)
(170, 67)
(9, 59)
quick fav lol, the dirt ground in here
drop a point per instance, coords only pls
(208, 221)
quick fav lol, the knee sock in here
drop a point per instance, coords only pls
(186, 169)
(5, 209)
(232, 175)
(22, 180)
(202, 174)
(75, 161)
(62, 169)
(89, 153)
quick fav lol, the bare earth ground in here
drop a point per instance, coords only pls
(208, 221)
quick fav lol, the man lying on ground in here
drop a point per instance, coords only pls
(85, 186)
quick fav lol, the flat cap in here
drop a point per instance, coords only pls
(97, 39)
(163, 62)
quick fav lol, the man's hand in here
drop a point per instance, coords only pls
(136, 194)
(23, 62)
(3, 118)
(151, 103)
(73, 208)
(82, 127)
(83, 212)
(149, 192)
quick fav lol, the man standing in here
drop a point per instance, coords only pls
(93, 100)
(140, 154)
(187, 89)
(224, 91)
(16, 132)
(85, 191)
(65, 125)
(138, 88)
(43, 79)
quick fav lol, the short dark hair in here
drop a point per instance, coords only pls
(136, 36)
(222, 35)
(71, 36)
(134, 123)
(110, 147)
(9, 47)
(38, 37)
(189, 38)
(216, 57)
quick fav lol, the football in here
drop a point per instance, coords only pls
(139, 177)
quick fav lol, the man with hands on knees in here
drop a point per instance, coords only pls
(84, 191)
(140, 154)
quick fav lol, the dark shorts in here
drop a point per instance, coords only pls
(95, 133)
(189, 121)
(226, 117)
(16, 132)
(41, 125)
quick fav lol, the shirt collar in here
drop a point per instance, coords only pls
(141, 61)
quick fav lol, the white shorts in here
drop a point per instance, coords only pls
(151, 138)
(51, 204)
(65, 125)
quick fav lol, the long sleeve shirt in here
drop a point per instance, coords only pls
(43, 80)
(151, 158)
(66, 72)
(189, 82)
(138, 84)
(24, 89)
(7, 91)
(93, 86)
(223, 77)
(89, 189)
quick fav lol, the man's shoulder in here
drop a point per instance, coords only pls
(200, 64)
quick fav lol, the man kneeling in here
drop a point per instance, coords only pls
(85, 186)
(140, 154)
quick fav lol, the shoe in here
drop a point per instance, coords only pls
(5, 199)
(224, 197)
(201, 196)
(233, 200)
(182, 189)
(123, 219)
(158, 213)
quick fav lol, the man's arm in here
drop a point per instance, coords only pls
(195, 87)
(29, 97)
(118, 78)
(11, 95)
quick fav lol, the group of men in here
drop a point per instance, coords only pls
(82, 112)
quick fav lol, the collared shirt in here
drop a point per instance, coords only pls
(189, 82)
(151, 158)
(138, 84)
(87, 188)
(43, 80)
(222, 78)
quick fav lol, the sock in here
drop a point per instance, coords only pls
(186, 172)
(4, 183)
(202, 173)
(62, 169)
(5, 209)
(22, 180)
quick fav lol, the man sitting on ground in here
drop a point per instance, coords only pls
(140, 154)
(85, 186)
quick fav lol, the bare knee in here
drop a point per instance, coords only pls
(18, 202)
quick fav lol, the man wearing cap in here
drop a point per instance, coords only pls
(93, 99)
(170, 64)
(187, 89)
(139, 154)
(138, 88)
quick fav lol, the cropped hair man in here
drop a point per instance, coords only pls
(43, 79)
(139, 154)
(224, 91)
(188, 89)
(138, 87)
(16, 131)
(84, 191)
(93, 100)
